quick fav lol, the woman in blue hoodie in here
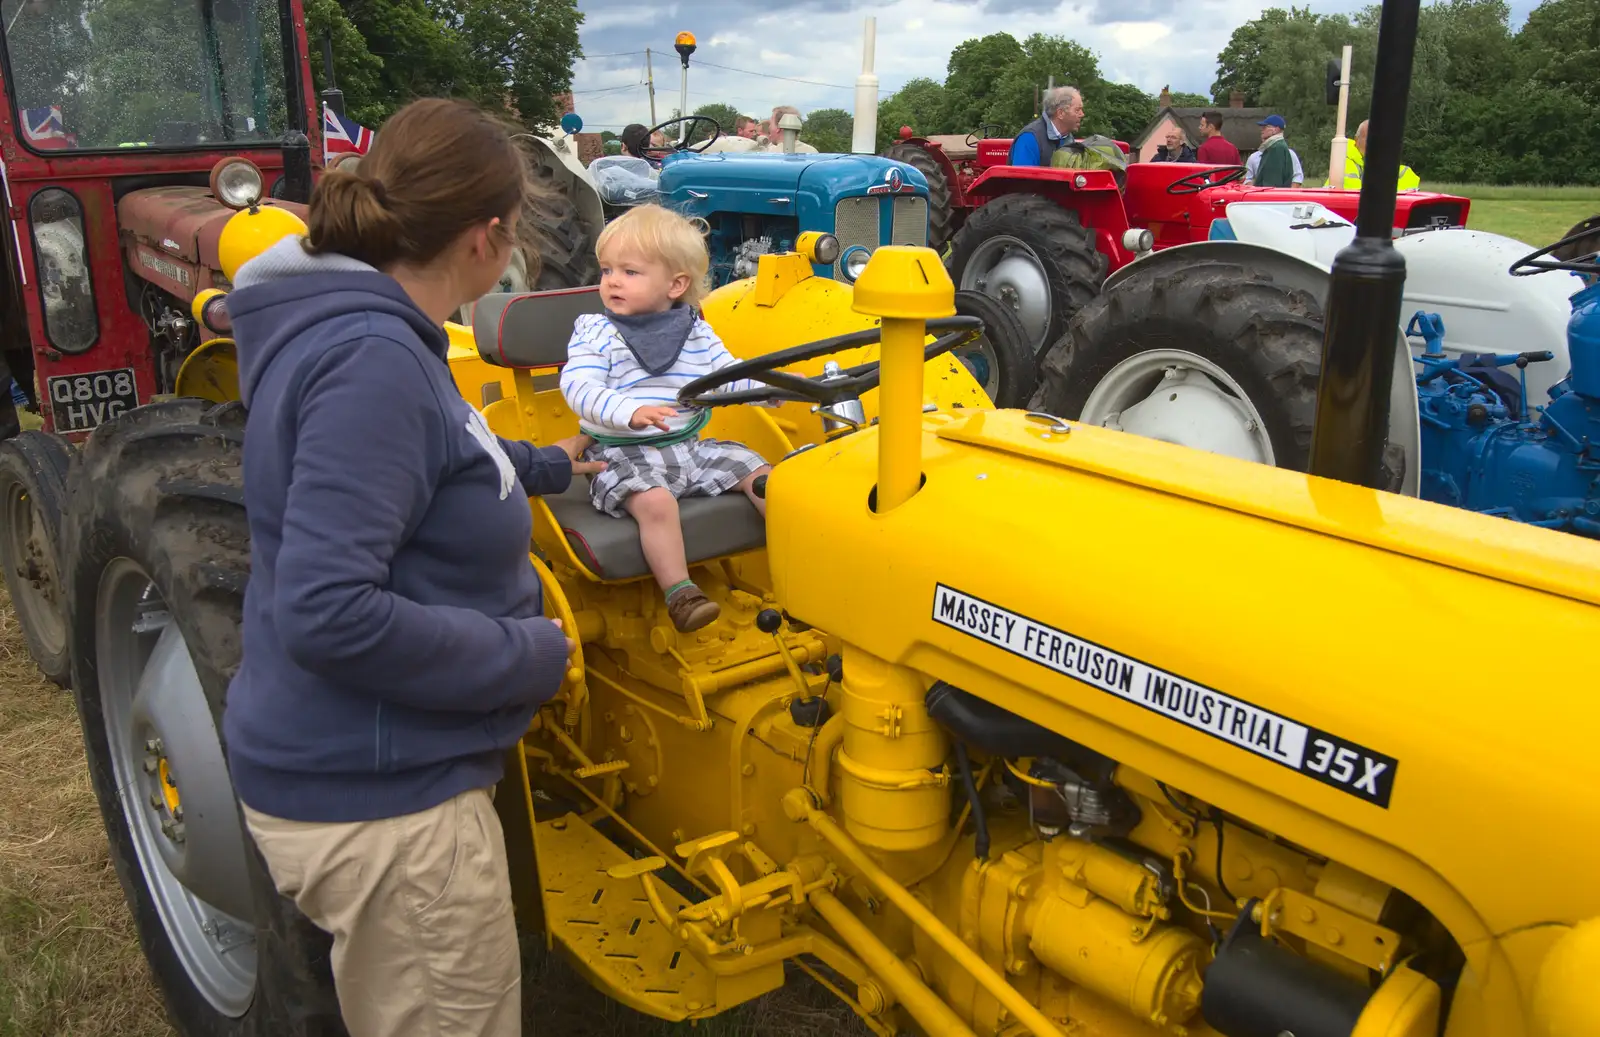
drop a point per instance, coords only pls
(393, 642)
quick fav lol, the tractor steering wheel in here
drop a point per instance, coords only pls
(825, 390)
(1194, 183)
(673, 148)
(1531, 263)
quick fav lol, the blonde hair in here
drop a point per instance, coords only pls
(662, 236)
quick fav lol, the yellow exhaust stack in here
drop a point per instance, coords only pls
(906, 286)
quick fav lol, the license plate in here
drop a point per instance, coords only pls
(79, 402)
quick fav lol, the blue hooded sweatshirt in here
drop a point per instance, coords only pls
(393, 642)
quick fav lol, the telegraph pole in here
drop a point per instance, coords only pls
(650, 81)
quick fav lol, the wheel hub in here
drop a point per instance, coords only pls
(182, 818)
(1183, 398)
(1006, 269)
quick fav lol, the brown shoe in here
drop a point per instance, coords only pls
(689, 609)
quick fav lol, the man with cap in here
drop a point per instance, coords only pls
(1274, 164)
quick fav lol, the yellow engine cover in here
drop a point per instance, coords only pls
(1271, 642)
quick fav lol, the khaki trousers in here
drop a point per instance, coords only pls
(419, 906)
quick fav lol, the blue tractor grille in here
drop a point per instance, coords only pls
(910, 222)
(855, 222)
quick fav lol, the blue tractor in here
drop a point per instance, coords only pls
(750, 203)
(755, 203)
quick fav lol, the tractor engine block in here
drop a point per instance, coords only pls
(1483, 451)
(736, 242)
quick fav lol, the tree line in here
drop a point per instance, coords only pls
(1487, 104)
(512, 56)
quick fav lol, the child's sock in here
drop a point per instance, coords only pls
(676, 587)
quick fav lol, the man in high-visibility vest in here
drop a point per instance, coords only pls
(1355, 164)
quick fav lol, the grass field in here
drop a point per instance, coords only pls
(1533, 214)
(70, 963)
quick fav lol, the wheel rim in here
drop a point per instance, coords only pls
(982, 363)
(189, 844)
(1008, 270)
(1180, 397)
(31, 558)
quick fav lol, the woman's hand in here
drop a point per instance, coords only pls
(573, 447)
(572, 646)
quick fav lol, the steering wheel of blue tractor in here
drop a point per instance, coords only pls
(1194, 183)
(847, 384)
(688, 133)
(1586, 261)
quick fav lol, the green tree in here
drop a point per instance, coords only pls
(356, 69)
(1042, 57)
(726, 115)
(1560, 47)
(517, 54)
(1118, 110)
(920, 104)
(972, 77)
(829, 130)
(1184, 99)
(1240, 65)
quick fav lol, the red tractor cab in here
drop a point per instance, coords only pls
(115, 125)
(129, 135)
(1042, 239)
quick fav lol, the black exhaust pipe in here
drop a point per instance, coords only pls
(1362, 314)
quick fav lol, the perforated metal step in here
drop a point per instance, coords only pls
(608, 930)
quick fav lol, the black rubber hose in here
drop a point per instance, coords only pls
(981, 842)
(1000, 732)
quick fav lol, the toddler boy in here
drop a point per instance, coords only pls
(624, 369)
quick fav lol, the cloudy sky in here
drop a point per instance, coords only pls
(808, 52)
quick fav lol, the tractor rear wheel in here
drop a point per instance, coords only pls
(157, 553)
(1035, 257)
(1212, 355)
(33, 492)
(941, 219)
(1002, 360)
(555, 232)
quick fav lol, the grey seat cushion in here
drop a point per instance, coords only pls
(712, 527)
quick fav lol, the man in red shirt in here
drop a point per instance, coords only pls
(1215, 149)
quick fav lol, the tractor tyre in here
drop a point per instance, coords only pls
(157, 554)
(941, 218)
(1035, 257)
(33, 489)
(1213, 355)
(1002, 360)
(556, 234)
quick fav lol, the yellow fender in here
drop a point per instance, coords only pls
(211, 372)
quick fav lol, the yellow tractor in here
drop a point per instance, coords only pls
(1010, 725)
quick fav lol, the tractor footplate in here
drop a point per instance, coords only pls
(608, 929)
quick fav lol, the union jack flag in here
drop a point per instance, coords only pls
(43, 128)
(341, 135)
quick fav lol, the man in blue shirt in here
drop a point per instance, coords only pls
(1038, 141)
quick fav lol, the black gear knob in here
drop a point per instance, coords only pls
(768, 621)
(759, 487)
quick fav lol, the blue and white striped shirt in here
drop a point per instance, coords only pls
(604, 384)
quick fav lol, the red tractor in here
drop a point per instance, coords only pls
(130, 136)
(1042, 239)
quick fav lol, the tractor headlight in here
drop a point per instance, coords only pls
(822, 249)
(62, 260)
(236, 183)
(855, 262)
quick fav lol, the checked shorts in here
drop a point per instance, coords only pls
(692, 468)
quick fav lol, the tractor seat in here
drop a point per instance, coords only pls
(531, 329)
(712, 527)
